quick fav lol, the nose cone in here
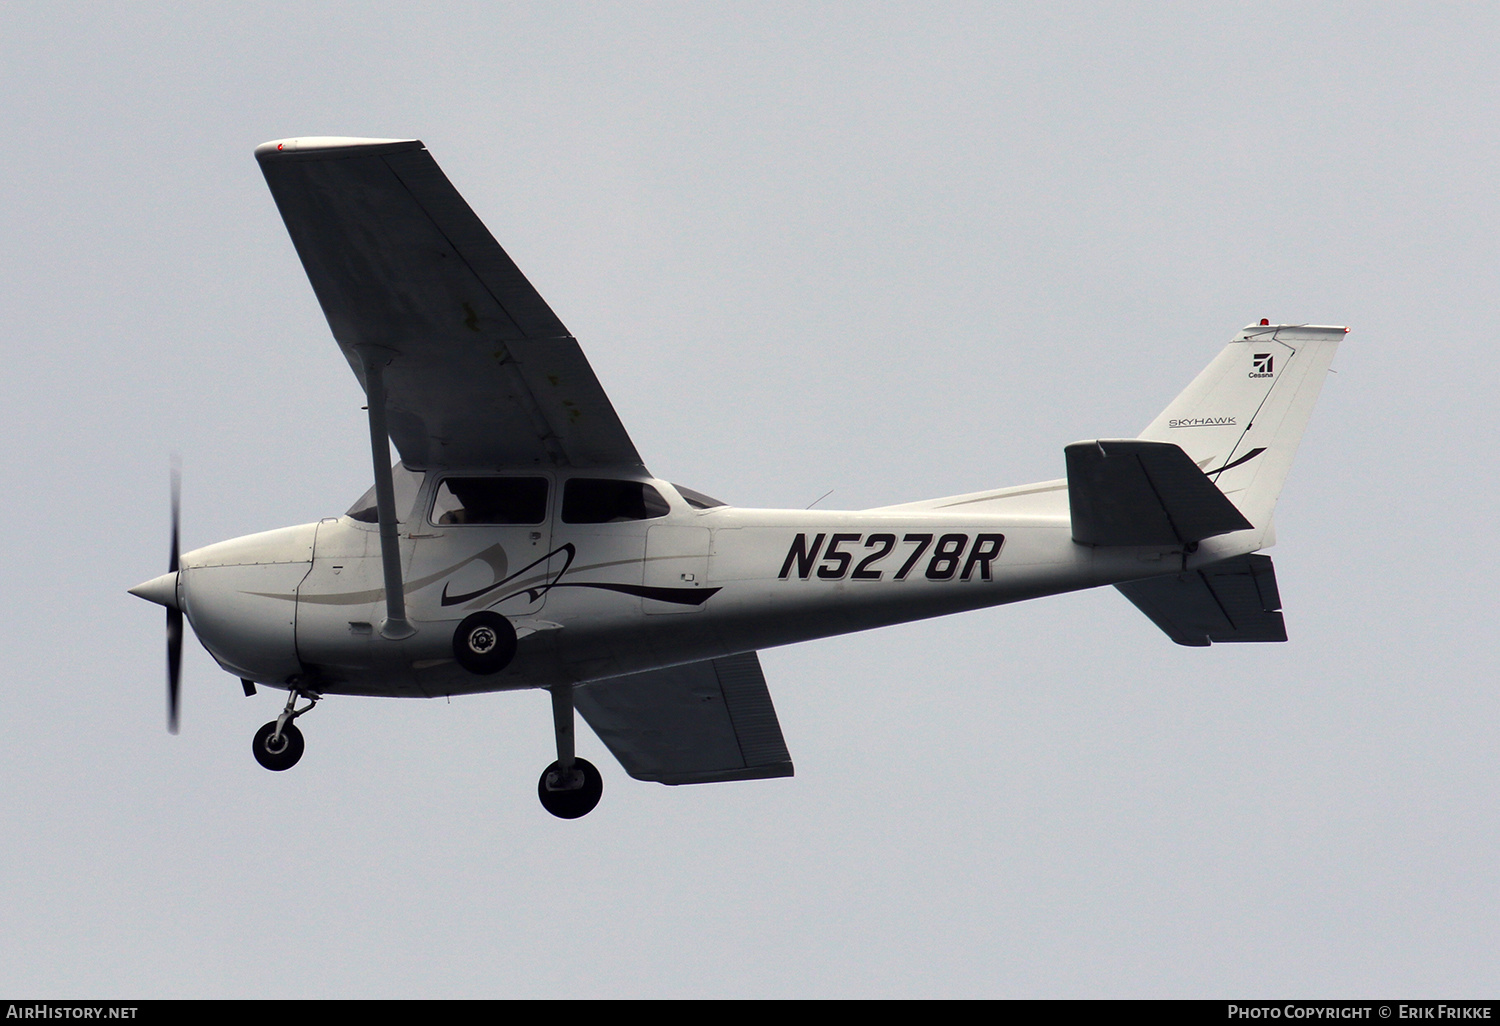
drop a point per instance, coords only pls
(161, 590)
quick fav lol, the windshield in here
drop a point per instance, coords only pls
(407, 484)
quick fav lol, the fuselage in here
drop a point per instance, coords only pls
(668, 581)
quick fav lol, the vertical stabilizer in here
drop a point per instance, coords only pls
(1241, 419)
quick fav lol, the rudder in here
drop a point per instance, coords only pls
(1241, 419)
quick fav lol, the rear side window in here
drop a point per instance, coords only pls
(597, 501)
(490, 500)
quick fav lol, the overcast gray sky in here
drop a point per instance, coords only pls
(894, 250)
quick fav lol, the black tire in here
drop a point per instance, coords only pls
(278, 757)
(577, 802)
(484, 643)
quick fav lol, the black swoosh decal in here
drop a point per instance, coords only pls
(679, 596)
(534, 593)
(1243, 459)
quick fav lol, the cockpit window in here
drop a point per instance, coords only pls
(589, 500)
(406, 482)
(490, 500)
(697, 499)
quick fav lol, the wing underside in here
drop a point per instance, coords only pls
(692, 724)
(481, 372)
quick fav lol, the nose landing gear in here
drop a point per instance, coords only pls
(278, 745)
(278, 751)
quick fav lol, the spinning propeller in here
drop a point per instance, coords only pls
(174, 614)
(163, 591)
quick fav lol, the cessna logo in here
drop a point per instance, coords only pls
(1262, 363)
(866, 554)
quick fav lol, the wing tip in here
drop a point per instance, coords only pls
(313, 147)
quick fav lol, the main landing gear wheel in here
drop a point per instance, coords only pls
(570, 802)
(279, 753)
(484, 643)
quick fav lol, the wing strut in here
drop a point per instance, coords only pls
(396, 625)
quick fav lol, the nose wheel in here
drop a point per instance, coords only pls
(278, 753)
(278, 745)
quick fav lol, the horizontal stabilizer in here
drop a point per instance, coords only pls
(1135, 492)
(1235, 600)
(692, 724)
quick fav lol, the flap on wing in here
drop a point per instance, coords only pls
(1236, 600)
(692, 724)
(1134, 492)
(481, 372)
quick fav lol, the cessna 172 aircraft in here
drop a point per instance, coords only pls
(520, 541)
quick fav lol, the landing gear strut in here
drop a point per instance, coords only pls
(278, 745)
(570, 787)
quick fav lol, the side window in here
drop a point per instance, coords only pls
(490, 500)
(589, 500)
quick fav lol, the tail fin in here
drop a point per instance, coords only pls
(1241, 419)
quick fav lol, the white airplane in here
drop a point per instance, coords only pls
(520, 541)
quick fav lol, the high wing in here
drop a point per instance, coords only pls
(692, 724)
(481, 372)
